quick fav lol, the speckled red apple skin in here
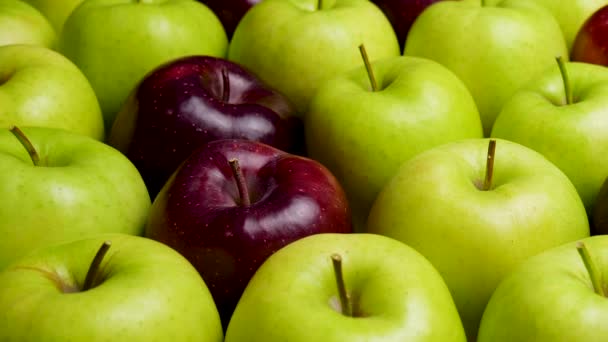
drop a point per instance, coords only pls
(591, 43)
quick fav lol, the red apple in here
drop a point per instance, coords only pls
(230, 12)
(227, 231)
(591, 43)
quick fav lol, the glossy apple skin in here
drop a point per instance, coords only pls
(402, 13)
(591, 43)
(230, 12)
(198, 211)
(180, 106)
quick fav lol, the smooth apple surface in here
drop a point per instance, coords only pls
(591, 44)
(200, 212)
(397, 295)
(21, 23)
(191, 101)
(56, 11)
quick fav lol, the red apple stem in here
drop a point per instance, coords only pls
(594, 274)
(565, 78)
(27, 144)
(240, 182)
(368, 67)
(95, 264)
(225, 86)
(487, 182)
(344, 300)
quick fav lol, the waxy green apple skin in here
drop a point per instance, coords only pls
(494, 50)
(572, 136)
(397, 295)
(474, 237)
(21, 23)
(86, 188)
(550, 298)
(56, 11)
(303, 46)
(117, 42)
(40, 87)
(363, 136)
(145, 291)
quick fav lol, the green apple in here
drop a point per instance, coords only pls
(493, 49)
(117, 42)
(363, 136)
(20, 23)
(573, 136)
(56, 11)
(476, 220)
(570, 14)
(63, 186)
(392, 293)
(557, 296)
(40, 87)
(135, 290)
(295, 46)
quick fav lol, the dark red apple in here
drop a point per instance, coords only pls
(591, 42)
(193, 100)
(201, 213)
(402, 13)
(229, 12)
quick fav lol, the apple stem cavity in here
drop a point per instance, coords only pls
(592, 269)
(27, 144)
(240, 182)
(225, 86)
(344, 300)
(368, 67)
(93, 271)
(563, 70)
(487, 182)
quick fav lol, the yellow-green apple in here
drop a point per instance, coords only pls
(306, 42)
(58, 186)
(591, 44)
(494, 50)
(117, 42)
(566, 121)
(363, 136)
(476, 210)
(378, 289)
(40, 87)
(21, 23)
(56, 11)
(230, 12)
(557, 296)
(112, 287)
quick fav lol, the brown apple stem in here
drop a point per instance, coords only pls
(591, 267)
(487, 182)
(240, 182)
(94, 267)
(225, 86)
(27, 144)
(368, 67)
(344, 300)
(563, 70)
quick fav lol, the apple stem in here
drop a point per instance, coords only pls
(368, 67)
(94, 267)
(319, 5)
(240, 182)
(344, 300)
(27, 144)
(563, 70)
(591, 267)
(487, 182)
(225, 86)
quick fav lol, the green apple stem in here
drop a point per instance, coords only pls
(94, 268)
(487, 182)
(368, 67)
(591, 267)
(344, 300)
(225, 86)
(27, 144)
(563, 70)
(320, 5)
(240, 182)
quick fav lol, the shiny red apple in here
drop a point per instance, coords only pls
(227, 220)
(591, 42)
(230, 12)
(193, 100)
